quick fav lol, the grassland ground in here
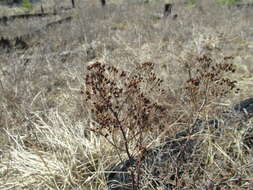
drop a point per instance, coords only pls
(45, 122)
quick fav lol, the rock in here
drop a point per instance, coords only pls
(158, 160)
(245, 107)
(20, 43)
(155, 161)
(5, 44)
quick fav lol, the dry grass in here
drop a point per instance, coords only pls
(45, 139)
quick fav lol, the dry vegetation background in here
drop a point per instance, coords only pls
(45, 137)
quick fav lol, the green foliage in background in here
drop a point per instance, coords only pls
(191, 4)
(27, 5)
(227, 2)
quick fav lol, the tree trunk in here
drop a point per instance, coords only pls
(103, 2)
(167, 9)
(41, 8)
(73, 3)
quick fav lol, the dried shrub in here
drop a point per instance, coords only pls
(124, 102)
(208, 81)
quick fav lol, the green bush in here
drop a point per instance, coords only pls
(227, 2)
(27, 5)
(191, 4)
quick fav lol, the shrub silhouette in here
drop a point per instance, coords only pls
(126, 104)
(121, 101)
